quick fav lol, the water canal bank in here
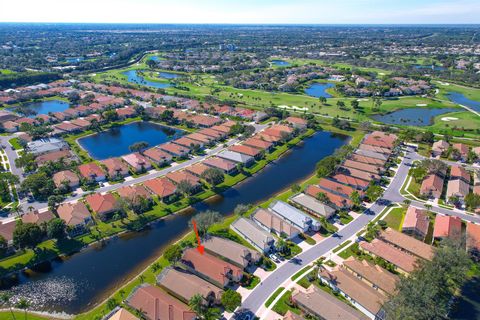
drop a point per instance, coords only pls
(94, 273)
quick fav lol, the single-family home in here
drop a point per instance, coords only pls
(138, 162)
(416, 223)
(227, 166)
(447, 227)
(406, 243)
(116, 168)
(134, 193)
(43, 146)
(457, 189)
(259, 144)
(404, 262)
(158, 156)
(253, 234)
(462, 149)
(197, 169)
(241, 158)
(175, 149)
(247, 150)
(163, 188)
(102, 204)
(440, 147)
(432, 186)
(473, 239)
(37, 217)
(297, 122)
(458, 172)
(6, 231)
(66, 178)
(91, 172)
(75, 215)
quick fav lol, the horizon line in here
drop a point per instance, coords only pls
(249, 23)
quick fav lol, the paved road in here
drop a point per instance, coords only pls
(12, 155)
(41, 205)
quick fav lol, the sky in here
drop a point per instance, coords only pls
(244, 11)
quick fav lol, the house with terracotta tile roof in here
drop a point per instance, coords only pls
(214, 134)
(447, 227)
(81, 123)
(297, 122)
(134, 193)
(372, 274)
(211, 268)
(178, 176)
(358, 173)
(231, 251)
(11, 126)
(432, 186)
(6, 231)
(269, 138)
(223, 129)
(321, 305)
(197, 169)
(102, 204)
(65, 155)
(156, 304)
(463, 150)
(201, 139)
(184, 285)
(67, 127)
(259, 144)
(457, 189)
(188, 143)
(334, 199)
(37, 217)
(75, 215)
(274, 224)
(368, 151)
(408, 244)
(138, 162)
(458, 172)
(116, 168)
(473, 238)
(228, 167)
(416, 223)
(367, 160)
(337, 188)
(247, 150)
(66, 177)
(363, 166)
(163, 188)
(362, 296)
(91, 172)
(356, 183)
(381, 139)
(439, 147)
(175, 149)
(120, 314)
(127, 112)
(404, 262)
(204, 121)
(158, 156)
(254, 234)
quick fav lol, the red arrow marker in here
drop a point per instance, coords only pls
(200, 248)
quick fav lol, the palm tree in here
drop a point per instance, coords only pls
(17, 209)
(23, 304)
(5, 299)
(30, 209)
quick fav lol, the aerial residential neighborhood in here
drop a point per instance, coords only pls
(270, 160)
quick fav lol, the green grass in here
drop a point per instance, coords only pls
(304, 282)
(15, 143)
(253, 283)
(6, 315)
(299, 273)
(395, 218)
(345, 254)
(343, 245)
(282, 305)
(273, 296)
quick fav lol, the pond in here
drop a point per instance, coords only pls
(134, 77)
(419, 117)
(41, 107)
(318, 90)
(169, 75)
(430, 67)
(281, 63)
(91, 275)
(155, 58)
(460, 98)
(75, 59)
(468, 305)
(115, 141)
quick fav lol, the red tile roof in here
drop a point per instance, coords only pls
(258, 143)
(249, 151)
(179, 176)
(162, 187)
(416, 219)
(473, 236)
(90, 170)
(447, 226)
(401, 259)
(102, 203)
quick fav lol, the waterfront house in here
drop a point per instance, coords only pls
(259, 144)
(404, 262)
(156, 304)
(292, 215)
(362, 296)
(416, 223)
(356, 183)
(91, 172)
(381, 139)
(211, 268)
(134, 193)
(158, 156)
(253, 234)
(75, 215)
(66, 178)
(116, 168)
(247, 150)
(197, 169)
(363, 166)
(231, 251)
(37, 217)
(321, 305)
(338, 188)
(163, 188)
(333, 199)
(241, 158)
(447, 227)
(184, 285)
(312, 205)
(120, 314)
(227, 166)
(178, 176)
(296, 122)
(175, 149)
(273, 223)
(102, 204)
(368, 176)
(137, 162)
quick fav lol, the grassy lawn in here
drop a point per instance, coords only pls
(345, 254)
(395, 218)
(282, 305)
(7, 315)
(273, 296)
(343, 245)
(299, 273)
(464, 124)
(15, 143)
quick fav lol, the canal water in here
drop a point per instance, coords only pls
(87, 278)
(318, 90)
(115, 142)
(459, 98)
(419, 117)
(134, 77)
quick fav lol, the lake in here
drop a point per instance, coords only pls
(281, 63)
(75, 59)
(430, 67)
(419, 117)
(154, 58)
(318, 90)
(134, 77)
(88, 277)
(44, 107)
(169, 75)
(460, 98)
(115, 141)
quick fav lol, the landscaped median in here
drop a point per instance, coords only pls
(50, 249)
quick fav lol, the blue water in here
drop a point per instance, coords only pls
(169, 75)
(459, 98)
(133, 77)
(434, 68)
(154, 58)
(115, 141)
(281, 63)
(44, 107)
(318, 90)
(419, 117)
(75, 60)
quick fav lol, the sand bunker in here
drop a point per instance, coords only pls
(421, 104)
(293, 108)
(449, 119)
